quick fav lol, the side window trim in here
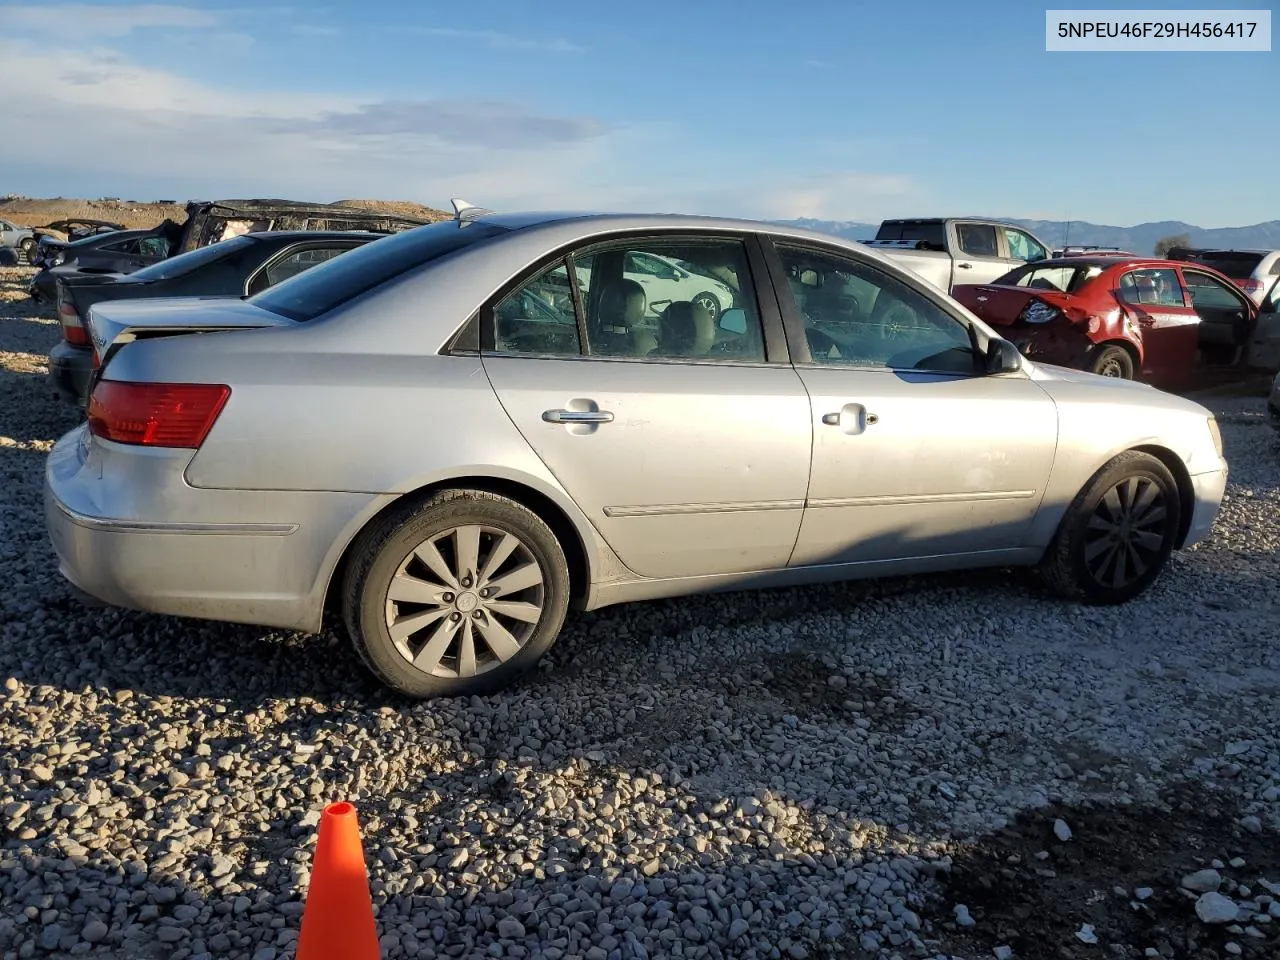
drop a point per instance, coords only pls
(792, 321)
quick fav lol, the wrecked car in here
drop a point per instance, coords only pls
(121, 251)
(1136, 319)
(212, 221)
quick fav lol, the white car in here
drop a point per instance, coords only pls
(666, 280)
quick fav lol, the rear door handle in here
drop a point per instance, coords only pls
(577, 416)
(964, 266)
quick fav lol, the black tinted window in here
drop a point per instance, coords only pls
(184, 263)
(331, 284)
(977, 239)
(933, 234)
(1237, 266)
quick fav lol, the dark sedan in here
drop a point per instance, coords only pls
(237, 267)
(101, 253)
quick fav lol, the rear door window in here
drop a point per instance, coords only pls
(977, 239)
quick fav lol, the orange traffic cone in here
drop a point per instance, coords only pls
(337, 921)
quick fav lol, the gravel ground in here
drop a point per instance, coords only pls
(942, 766)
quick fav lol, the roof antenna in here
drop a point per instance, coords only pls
(463, 211)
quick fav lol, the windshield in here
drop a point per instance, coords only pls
(184, 263)
(331, 284)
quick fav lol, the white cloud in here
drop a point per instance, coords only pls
(77, 21)
(504, 41)
(88, 115)
(113, 118)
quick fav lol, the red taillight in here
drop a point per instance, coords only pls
(155, 414)
(73, 330)
(76, 335)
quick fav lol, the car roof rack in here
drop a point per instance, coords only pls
(464, 211)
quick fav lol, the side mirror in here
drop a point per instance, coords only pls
(1002, 357)
(734, 320)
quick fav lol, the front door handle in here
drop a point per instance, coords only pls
(964, 266)
(851, 418)
(577, 416)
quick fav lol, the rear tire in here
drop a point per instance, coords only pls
(1113, 361)
(458, 594)
(28, 248)
(1116, 537)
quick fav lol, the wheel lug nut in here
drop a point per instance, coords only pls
(448, 598)
(478, 615)
(455, 616)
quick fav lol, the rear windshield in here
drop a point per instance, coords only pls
(334, 282)
(1064, 279)
(1237, 266)
(932, 233)
(184, 263)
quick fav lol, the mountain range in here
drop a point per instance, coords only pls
(1140, 239)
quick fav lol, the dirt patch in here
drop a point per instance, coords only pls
(803, 685)
(1028, 890)
(141, 215)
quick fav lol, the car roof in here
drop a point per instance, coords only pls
(611, 222)
(287, 235)
(1101, 260)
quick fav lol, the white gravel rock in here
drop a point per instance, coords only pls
(1215, 908)
(1202, 881)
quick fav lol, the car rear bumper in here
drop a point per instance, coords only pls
(130, 532)
(1207, 489)
(70, 370)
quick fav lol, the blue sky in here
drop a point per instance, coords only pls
(837, 110)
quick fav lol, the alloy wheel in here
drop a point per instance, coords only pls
(465, 601)
(708, 303)
(1126, 532)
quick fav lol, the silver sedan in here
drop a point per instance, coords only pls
(449, 437)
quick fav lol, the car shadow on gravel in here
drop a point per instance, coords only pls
(1119, 872)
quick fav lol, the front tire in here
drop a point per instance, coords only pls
(1117, 535)
(458, 594)
(1113, 361)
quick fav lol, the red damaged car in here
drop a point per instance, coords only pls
(1145, 319)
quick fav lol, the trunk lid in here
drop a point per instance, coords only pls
(1002, 306)
(114, 323)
